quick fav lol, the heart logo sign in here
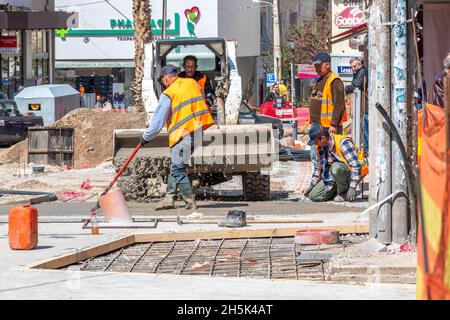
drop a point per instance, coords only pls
(193, 14)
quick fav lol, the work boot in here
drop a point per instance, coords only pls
(340, 198)
(188, 196)
(234, 219)
(168, 202)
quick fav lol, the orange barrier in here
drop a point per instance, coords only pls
(433, 269)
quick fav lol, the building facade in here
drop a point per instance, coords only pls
(27, 43)
(101, 50)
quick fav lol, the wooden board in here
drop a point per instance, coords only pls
(71, 258)
(242, 233)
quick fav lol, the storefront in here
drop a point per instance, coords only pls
(103, 44)
(26, 45)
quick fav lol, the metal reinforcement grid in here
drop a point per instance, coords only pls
(265, 258)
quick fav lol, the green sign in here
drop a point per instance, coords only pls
(123, 27)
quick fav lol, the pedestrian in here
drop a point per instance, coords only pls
(183, 108)
(106, 104)
(438, 88)
(98, 102)
(82, 89)
(360, 81)
(190, 66)
(340, 168)
(327, 104)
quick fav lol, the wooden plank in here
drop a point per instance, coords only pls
(242, 233)
(256, 221)
(71, 258)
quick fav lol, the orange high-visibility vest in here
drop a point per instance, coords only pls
(338, 140)
(202, 83)
(189, 110)
(327, 109)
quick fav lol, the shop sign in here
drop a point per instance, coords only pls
(344, 70)
(350, 17)
(8, 44)
(306, 71)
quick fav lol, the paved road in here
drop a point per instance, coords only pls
(208, 208)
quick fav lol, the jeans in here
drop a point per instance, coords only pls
(180, 155)
(366, 132)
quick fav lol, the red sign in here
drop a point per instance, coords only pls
(306, 71)
(350, 17)
(8, 44)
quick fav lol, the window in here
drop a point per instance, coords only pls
(206, 58)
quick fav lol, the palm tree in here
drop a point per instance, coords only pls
(143, 34)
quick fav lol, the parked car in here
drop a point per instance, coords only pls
(13, 124)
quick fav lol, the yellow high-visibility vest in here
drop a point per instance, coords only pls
(189, 110)
(338, 140)
(326, 113)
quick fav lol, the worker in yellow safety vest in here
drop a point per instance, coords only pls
(182, 107)
(341, 168)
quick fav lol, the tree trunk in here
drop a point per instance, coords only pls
(142, 35)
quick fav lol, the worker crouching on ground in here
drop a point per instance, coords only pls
(183, 108)
(339, 169)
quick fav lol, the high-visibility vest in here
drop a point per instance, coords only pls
(327, 109)
(338, 140)
(189, 110)
(202, 82)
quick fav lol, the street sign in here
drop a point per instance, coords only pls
(8, 44)
(270, 79)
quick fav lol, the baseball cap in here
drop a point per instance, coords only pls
(315, 132)
(321, 57)
(168, 69)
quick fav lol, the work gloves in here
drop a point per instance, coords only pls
(351, 195)
(143, 142)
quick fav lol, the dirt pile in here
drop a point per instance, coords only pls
(17, 153)
(94, 132)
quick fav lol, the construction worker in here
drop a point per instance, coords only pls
(190, 65)
(183, 108)
(327, 104)
(283, 91)
(360, 81)
(340, 168)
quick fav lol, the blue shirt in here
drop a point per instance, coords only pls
(159, 118)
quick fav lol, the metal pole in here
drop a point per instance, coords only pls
(276, 41)
(372, 70)
(399, 117)
(164, 19)
(383, 148)
(293, 93)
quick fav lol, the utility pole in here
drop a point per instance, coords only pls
(276, 41)
(164, 19)
(400, 226)
(382, 164)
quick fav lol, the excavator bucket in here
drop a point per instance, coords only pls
(232, 149)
